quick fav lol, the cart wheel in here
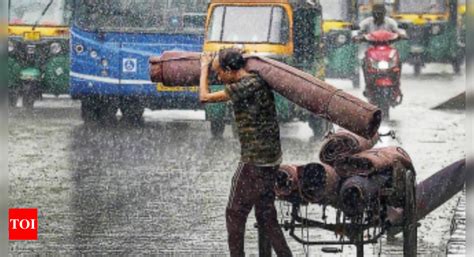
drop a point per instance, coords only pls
(410, 226)
(217, 128)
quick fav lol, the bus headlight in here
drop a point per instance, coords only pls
(11, 47)
(105, 63)
(94, 54)
(341, 39)
(435, 29)
(55, 48)
(79, 49)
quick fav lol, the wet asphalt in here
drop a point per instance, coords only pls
(161, 188)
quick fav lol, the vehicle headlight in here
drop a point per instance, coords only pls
(341, 39)
(383, 65)
(55, 48)
(11, 47)
(105, 63)
(417, 49)
(79, 49)
(94, 54)
(435, 29)
(59, 71)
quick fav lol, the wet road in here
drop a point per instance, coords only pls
(162, 188)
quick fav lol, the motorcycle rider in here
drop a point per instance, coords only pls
(379, 21)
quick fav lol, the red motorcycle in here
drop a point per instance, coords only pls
(382, 69)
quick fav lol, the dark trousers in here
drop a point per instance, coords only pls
(253, 186)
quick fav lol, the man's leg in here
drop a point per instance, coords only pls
(266, 214)
(238, 209)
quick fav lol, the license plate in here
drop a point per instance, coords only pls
(162, 88)
(32, 36)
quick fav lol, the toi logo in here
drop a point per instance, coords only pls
(23, 224)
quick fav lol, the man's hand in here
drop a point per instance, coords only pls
(206, 59)
(357, 38)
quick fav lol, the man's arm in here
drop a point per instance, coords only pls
(204, 95)
(394, 26)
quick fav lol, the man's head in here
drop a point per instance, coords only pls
(228, 65)
(378, 12)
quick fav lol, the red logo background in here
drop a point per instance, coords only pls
(29, 217)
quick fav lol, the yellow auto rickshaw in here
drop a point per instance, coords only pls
(432, 27)
(286, 30)
(38, 49)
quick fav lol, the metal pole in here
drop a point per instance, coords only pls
(359, 244)
(410, 229)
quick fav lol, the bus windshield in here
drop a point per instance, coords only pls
(28, 12)
(163, 16)
(424, 6)
(244, 24)
(336, 10)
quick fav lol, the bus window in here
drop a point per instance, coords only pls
(136, 15)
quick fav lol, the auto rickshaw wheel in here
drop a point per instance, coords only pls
(356, 79)
(417, 69)
(456, 66)
(319, 126)
(29, 94)
(217, 128)
(12, 98)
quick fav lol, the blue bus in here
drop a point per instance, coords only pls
(111, 42)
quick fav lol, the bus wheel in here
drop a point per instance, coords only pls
(217, 128)
(94, 109)
(132, 111)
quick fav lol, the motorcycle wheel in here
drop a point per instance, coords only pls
(382, 98)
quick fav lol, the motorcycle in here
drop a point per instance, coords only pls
(382, 69)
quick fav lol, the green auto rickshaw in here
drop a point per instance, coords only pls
(286, 30)
(38, 49)
(461, 25)
(340, 51)
(432, 28)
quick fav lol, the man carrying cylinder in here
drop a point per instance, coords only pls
(259, 135)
